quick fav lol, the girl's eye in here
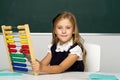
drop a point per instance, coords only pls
(68, 27)
(59, 27)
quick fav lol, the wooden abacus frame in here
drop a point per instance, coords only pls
(27, 32)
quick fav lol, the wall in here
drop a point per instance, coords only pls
(109, 49)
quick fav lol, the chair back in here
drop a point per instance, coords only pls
(92, 57)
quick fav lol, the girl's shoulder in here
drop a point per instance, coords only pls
(75, 47)
(50, 45)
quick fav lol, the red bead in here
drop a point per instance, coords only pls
(26, 52)
(21, 50)
(11, 46)
(12, 50)
(24, 46)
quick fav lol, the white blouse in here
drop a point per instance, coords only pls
(60, 48)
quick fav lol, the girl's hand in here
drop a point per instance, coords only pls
(36, 66)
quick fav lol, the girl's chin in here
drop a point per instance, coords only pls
(63, 41)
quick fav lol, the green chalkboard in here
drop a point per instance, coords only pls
(93, 16)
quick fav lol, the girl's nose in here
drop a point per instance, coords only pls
(64, 31)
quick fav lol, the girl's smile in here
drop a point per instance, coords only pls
(63, 35)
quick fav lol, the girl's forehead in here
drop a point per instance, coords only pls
(65, 20)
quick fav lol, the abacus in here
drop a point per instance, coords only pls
(19, 48)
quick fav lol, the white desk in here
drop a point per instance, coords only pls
(61, 76)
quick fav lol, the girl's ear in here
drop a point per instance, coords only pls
(73, 32)
(55, 32)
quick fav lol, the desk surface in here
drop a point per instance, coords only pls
(61, 76)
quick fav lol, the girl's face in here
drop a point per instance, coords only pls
(64, 30)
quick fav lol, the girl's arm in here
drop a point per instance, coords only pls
(65, 64)
(36, 65)
(46, 59)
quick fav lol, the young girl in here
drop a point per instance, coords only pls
(66, 52)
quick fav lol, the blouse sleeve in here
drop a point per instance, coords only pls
(77, 50)
(49, 48)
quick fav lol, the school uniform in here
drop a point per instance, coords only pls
(60, 52)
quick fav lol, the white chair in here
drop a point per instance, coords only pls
(92, 57)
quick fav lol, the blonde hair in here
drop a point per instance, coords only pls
(76, 37)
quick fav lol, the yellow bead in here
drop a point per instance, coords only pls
(23, 37)
(10, 41)
(23, 41)
(8, 37)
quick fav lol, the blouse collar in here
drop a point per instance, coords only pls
(64, 47)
